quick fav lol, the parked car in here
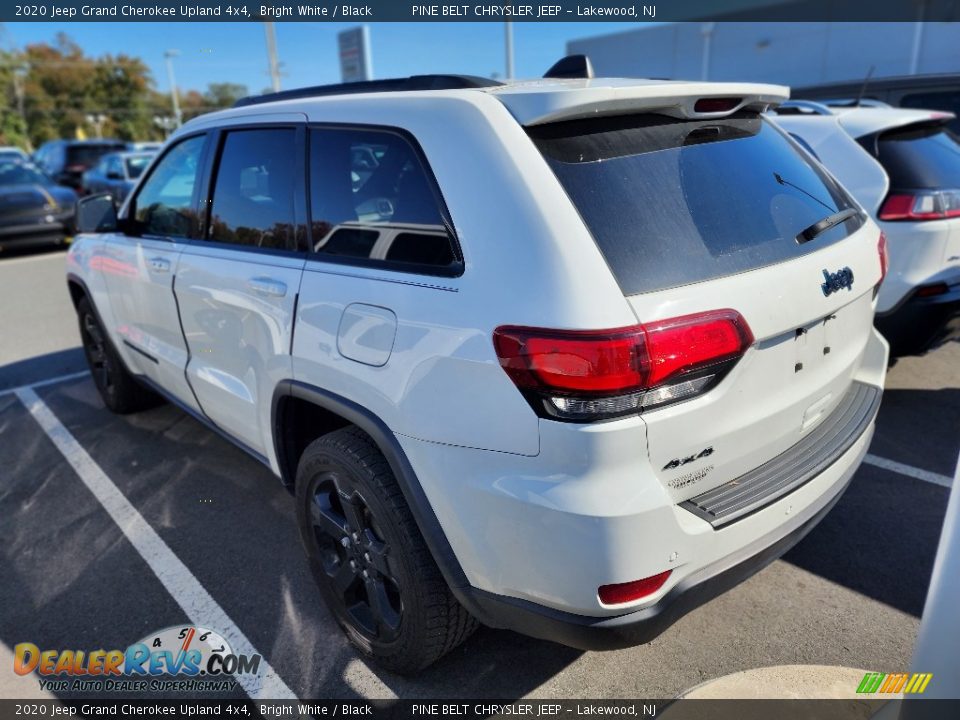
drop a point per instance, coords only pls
(933, 92)
(144, 146)
(33, 209)
(12, 153)
(913, 191)
(568, 357)
(66, 160)
(116, 173)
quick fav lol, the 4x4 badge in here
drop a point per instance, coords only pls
(832, 282)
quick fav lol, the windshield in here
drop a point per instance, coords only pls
(20, 174)
(136, 165)
(671, 202)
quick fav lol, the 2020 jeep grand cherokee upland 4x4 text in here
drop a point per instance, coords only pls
(567, 357)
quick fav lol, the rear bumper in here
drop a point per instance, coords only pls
(641, 626)
(918, 321)
(536, 536)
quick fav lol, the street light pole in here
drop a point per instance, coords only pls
(508, 41)
(272, 56)
(169, 55)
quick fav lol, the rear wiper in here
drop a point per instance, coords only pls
(821, 226)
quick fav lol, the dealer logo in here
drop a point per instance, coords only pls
(186, 652)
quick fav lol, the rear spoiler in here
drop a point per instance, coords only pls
(541, 102)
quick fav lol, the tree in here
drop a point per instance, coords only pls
(63, 93)
(13, 127)
(224, 95)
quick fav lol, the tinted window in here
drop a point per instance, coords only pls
(87, 155)
(255, 185)
(164, 205)
(372, 199)
(136, 165)
(920, 157)
(672, 202)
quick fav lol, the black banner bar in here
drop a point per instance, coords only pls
(847, 709)
(65, 11)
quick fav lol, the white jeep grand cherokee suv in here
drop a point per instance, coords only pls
(568, 357)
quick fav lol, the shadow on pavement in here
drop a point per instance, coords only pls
(42, 367)
(881, 539)
(233, 524)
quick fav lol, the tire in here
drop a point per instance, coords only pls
(373, 567)
(119, 389)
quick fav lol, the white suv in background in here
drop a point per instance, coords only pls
(568, 357)
(904, 168)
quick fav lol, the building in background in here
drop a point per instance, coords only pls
(798, 54)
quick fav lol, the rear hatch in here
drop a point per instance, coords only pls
(923, 162)
(702, 214)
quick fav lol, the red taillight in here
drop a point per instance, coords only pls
(588, 374)
(606, 362)
(884, 257)
(683, 344)
(712, 105)
(630, 591)
(921, 205)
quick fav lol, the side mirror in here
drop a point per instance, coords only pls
(97, 214)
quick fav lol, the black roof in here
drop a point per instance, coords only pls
(415, 82)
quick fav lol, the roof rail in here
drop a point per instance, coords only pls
(802, 107)
(414, 82)
(854, 102)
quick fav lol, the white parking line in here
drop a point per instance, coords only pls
(909, 470)
(176, 577)
(44, 383)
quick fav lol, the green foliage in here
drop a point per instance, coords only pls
(56, 91)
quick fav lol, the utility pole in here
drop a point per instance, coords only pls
(508, 42)
(706, 29)
(272, 55)
(169, 55)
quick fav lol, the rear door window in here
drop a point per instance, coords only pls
(920, 157)
(374, 202)
(672, 202)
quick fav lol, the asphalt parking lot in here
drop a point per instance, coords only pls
(851, 594)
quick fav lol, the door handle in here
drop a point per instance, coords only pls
(159, 264)
(267, 287)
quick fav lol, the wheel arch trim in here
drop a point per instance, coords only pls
(386, 441)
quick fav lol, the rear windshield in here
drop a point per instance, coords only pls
(88, 155)
(672, 202)
(920, 157)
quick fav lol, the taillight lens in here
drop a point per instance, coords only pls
(884, 257)
(630, 591)
(921, 205)
(589, 375)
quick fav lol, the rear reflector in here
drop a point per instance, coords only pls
(630, 591)
(921, 205)
(587, 374)
(932, 290)
(714, 105)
